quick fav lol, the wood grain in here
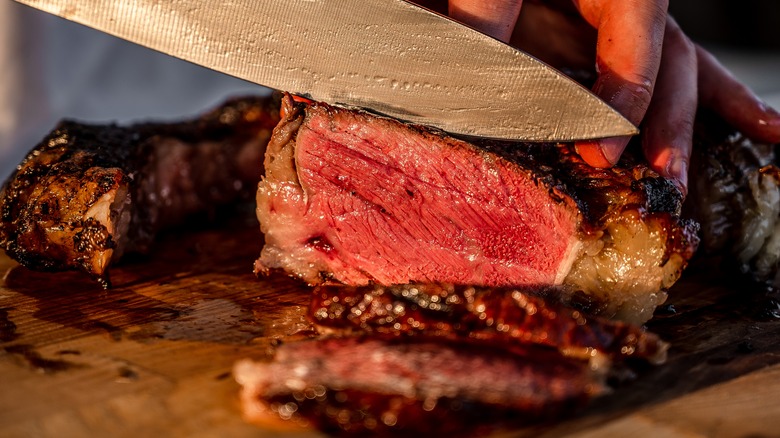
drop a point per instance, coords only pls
(153, 356)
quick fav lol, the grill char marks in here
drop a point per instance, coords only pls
(88, 193)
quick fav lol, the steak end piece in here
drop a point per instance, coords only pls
(353, 198)
(89, 193)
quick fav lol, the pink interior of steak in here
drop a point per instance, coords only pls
(369, 199)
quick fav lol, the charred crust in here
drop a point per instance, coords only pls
(661, 194)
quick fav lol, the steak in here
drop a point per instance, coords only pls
(89, 193)
(443, 255)
(380, 387)
(353, 198)
(736, 198)
(491, 316)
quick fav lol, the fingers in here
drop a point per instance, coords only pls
(668, 126)
(723, 93)
(628, 55)
(496, 18)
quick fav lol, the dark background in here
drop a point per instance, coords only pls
(744, 23)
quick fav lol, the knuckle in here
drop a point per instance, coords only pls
(643, 89)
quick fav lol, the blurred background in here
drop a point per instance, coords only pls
(53, 69)
(744, 35)
(747, 23)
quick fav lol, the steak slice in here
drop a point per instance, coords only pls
(412, 386)
(88, 193)
(501, 317)
(354, 198)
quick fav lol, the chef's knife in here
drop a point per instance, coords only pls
(389, 56)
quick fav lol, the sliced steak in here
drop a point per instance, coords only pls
(353, 198)
(390, 387)
(88, 193)
(500, 317)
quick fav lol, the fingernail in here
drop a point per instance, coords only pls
(677, 170)
(612, 148)
(590, 151)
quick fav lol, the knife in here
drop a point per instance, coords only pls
(388, 56)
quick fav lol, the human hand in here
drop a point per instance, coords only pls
(647, 69)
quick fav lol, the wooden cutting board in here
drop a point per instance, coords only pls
(153, 355)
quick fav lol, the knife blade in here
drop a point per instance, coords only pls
(389, 56)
